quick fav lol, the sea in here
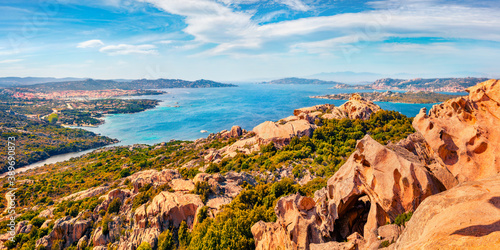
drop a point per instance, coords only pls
(184, 112)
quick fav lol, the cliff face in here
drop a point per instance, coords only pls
(374, 186)
(463, 133)
(455, 143)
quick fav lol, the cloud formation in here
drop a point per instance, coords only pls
(127, 49)
(90, 44)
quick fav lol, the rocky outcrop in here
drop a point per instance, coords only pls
(86, 193)
(303, 123)
(463, 134)
(372, 188)
(464, 217)
(281, 134)
(168, 209)
(153, 177)
(66, 231)
(359, 108)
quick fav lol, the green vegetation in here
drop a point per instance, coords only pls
(328, 148)
(402, 218)
(166, 241)
(322, 154)
(389, 96)
(38, 140)
(144, 246)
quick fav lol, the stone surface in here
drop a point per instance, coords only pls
(358, 108)
(67, 230)
(463, 132)
(464, 217)
(375, 185)
(168, 209)
(389, 232)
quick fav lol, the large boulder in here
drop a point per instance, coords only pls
(463, 134)
(372, 188)
(168, 209)
(358, 108)
(464, 217)
(282, 133)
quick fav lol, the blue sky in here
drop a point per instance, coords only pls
(229, 40)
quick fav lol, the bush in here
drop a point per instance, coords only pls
(144, 246)
(184, 235)
(114, 206)
(403, 218)
(125, 172)
(202, 188)
(37, 221)
(166, 241)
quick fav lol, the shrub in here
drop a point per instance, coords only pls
(37, 221)
(166, 241)
(184, 235)
(144, 246)
(202, 188)
(114, 206)
(125, 172)
(403, 218)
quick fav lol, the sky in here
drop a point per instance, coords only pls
(241, 40)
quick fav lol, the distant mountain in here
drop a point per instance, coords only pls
(295, 80)
(91, 84)
(431, 84)
(20, 81)
(347, 77)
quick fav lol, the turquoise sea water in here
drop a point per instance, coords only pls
(216, 109)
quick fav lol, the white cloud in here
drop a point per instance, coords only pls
(11, 61)
(236, 32)
(295, 5)
(430, 48)
(127, 49)
(90, 44)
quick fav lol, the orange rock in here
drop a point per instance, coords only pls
(464, 217)
(463, 132)
(375, 185)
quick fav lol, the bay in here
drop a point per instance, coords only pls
(183, 113)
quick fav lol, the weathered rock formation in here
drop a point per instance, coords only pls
(464, 217)
(66, 231)
(303, 123)
(374, 186)
(455, 143)
(463, 132)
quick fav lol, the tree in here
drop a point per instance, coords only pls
(184, 235)
(166, 241)
(144, 246)
(53, 118)
(114, 206)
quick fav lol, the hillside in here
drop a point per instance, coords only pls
(431, 84)
(389, 96)
(20, 81)
(91, 84)
(326, 177)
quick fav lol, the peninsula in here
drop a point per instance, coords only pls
(390, 96)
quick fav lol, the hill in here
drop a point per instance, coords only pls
(91, 84)
(431, 84)
(19, 81)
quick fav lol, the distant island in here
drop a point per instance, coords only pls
(91, 84)
(389, 96)
(417, 84)
(431, 84)
(295, 80)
